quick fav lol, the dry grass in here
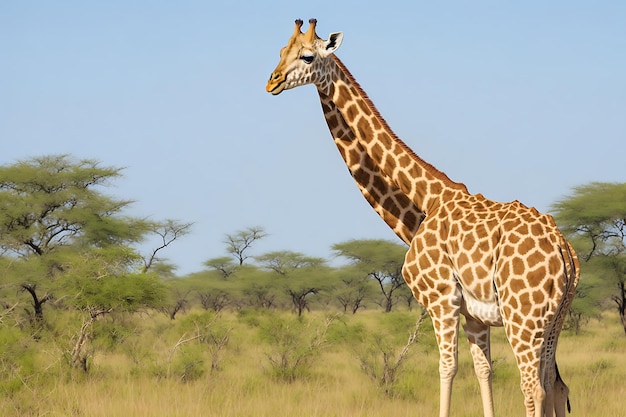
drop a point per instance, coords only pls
(132, 379)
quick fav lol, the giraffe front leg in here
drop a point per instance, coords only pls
(434, 285)
(446, 328)
(478, 335)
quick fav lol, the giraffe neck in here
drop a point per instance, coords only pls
(391, 204)
(419, 181)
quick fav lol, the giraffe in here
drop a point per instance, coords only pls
(497, 264)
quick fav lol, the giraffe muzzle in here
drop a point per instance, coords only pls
(276, 84)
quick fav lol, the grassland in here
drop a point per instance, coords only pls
(206, 365)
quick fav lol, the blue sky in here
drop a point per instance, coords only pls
(518, 100)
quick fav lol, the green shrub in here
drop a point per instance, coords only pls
(383, 352)
(295, 343)
(17, 359)
(189, 363)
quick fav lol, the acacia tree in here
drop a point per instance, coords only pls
(56, 222)
(258, 287)
(382, 261)
(302, 276)
(225, 265)
(239, 243)
(54, 201)
(167, 231)
(356, 288)
(63, 235)
(594, 219)
(51, 207)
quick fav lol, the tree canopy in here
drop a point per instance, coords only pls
(60, 233)
(54, 201)
(382, 261)
(593, 217)
(64, 240)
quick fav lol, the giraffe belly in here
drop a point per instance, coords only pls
(484, 311)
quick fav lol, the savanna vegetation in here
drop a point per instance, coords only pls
(92, 326)
(273, 363)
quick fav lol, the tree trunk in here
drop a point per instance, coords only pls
(78, 358)
(388, 303)
(299, 300)
(37, 302)
(620, 300)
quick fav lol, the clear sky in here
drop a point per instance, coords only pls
(518, 100)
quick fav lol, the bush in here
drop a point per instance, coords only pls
(17, 360)
(295, 342)
(189, 363)
(383, 353)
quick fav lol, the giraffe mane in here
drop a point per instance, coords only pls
(430, 168)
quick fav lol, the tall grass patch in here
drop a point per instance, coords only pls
(162, 367)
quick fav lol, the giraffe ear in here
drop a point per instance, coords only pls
(332, 44)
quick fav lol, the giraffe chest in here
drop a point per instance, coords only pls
(472, 250)
(476, 282)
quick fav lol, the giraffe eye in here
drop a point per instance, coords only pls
(307, 58)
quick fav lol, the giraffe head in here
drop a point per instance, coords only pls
(302, 60)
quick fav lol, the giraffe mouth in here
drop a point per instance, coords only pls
(275, 88)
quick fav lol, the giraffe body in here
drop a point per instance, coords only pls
(497, 264)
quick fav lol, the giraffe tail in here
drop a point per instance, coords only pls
(562, 388)
(572, 267)
(572, 275)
